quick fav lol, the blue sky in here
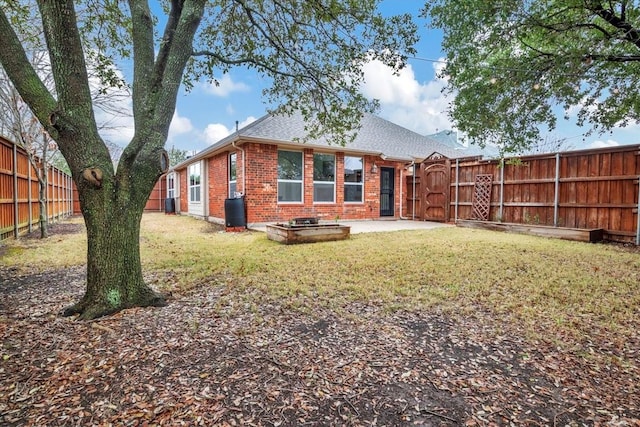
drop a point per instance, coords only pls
(412, 99)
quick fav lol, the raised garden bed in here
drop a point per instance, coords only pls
(579, 234)
(307, 233)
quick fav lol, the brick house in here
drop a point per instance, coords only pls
(280, 178)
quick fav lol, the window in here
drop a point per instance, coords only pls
(290, 168)
(194, 182)
(353, 179)
(232, 175)
(324, 177)
(171, 186)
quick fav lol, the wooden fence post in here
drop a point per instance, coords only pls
(556, 197)
(455, 215)
(15, 190)
(70, 195)
(29, 195)
(501, 208)
(638, 223)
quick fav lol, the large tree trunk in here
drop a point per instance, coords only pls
(112, 201)
(114, 271)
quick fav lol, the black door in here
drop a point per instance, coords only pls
(386, 192)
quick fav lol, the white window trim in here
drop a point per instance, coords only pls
(300, 181)
(355, 183)
(171, 192)
(234, 181)
(323, 202)
(288, 202)
(199, 185)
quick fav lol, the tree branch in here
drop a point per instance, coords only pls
(22, 74)
(178, 54)
(242, 61)
(145, 150)
(67, 60)
(169, 31)
(613, 58)
(156, 83)
(630, 33)
(143, 57)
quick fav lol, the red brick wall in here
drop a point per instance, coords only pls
(262, 188)
(261, 195)
(183, 180)
(217, 183)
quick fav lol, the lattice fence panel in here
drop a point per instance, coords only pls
(481, 201)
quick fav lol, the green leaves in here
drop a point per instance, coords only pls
(312, 51)
(514, 66)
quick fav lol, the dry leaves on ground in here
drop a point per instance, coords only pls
(207, 360)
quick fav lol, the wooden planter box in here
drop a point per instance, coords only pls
(307, 233)
(579, 234)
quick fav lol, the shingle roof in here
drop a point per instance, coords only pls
(376, 135)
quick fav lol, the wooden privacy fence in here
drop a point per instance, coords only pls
(588, 189)
(156, 202)
(19, 206)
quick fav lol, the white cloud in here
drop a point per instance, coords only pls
(214, 132)
(225, 87)
(419, 106)
(602, 144)
(116, 128)
(179, 125)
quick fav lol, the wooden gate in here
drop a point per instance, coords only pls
(435, 176)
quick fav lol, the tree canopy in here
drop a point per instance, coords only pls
(515, 66)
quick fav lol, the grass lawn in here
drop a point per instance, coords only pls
(545, 285)
(448, 327)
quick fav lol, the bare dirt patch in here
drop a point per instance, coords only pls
(58, 228)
